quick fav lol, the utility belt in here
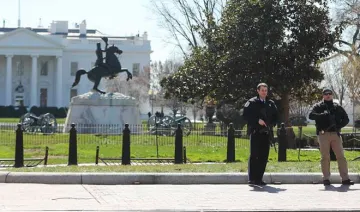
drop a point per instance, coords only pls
(261, 131)
(264, 131)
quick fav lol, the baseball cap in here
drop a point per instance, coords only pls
(327, 90)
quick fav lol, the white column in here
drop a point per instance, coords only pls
(59, 82)
(34, 86)
(8, 90)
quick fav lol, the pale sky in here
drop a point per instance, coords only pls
(112, 17)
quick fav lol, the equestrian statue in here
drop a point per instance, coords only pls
(109, 69)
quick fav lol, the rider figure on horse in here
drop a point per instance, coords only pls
(100, 58)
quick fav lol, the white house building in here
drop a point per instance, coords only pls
(38, 65)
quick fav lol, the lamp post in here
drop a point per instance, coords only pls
(152, 95)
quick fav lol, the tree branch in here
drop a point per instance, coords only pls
(344, 42)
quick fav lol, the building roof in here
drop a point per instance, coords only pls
(72, 33)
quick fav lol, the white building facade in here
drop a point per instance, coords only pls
(38, 65)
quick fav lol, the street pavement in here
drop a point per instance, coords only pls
(287, 197)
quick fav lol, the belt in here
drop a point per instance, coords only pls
(323, 132)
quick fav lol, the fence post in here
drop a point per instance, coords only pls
(282, 143)
(97, 155)
(72, 160)
(125, 156)
(231, 144)
(184, 156)
(46, 156)
(179, 145)
(19, 147)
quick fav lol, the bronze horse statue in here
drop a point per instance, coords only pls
(101, 71)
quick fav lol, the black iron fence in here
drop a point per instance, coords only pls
(126, 140)
(142, 135)
(94, 143)
(110, 135)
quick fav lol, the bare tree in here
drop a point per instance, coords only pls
(176, 106)
(299, 108)
(302, 100)
(187, 20)
(138, 87)
(347, 21)
(347, 11)
(158, 71)
(334, 78)
(351, 73)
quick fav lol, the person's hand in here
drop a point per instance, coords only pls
(262, 123)
(325, 113)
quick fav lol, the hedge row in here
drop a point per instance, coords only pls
(17, 112)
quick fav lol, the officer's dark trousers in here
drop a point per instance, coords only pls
(259, 153)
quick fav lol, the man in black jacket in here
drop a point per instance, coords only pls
(329, 118)
(261, 115)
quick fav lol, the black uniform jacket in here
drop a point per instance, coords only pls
(322, 120)
(253, 112)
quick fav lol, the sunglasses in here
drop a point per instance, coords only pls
(327, 94)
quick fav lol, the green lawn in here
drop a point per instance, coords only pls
(354, 167)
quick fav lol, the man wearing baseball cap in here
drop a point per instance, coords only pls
(329, 118)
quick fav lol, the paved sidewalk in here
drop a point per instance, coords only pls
(41, 197)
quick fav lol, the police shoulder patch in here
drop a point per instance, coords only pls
(247, 103)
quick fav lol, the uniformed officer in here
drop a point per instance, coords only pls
(329, 118)
(261, 115)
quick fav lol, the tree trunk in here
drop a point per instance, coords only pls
(290, 135)
(285, 97)
(342, 93)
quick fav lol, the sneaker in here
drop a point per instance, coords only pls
(326, 182)
(347, 182)
(262, 183)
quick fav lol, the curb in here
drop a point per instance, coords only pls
(163, 178)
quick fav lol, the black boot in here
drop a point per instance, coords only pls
(251, 182)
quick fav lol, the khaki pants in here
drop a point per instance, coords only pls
(325, 141)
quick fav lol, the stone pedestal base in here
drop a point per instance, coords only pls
(103, 114)
(209, 129)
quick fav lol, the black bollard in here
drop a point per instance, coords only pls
(125, 157)
(72, 160)
(19, 147)
(282, 143)
(231, 144)
(179, 145)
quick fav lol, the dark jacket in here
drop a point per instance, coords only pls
(329, 117)
(255, 109)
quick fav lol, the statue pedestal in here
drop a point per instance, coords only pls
(209, 129)
(103, 114)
